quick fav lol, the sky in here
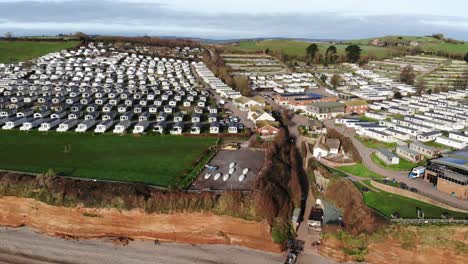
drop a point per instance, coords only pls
(333, 19)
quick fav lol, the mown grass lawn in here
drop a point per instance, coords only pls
(387, 204)
(360, 170)
(438, 145)
(16, 51)
(372, 143)
(404, 165)
(156, 160)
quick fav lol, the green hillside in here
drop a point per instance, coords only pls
(16, 51)
(297, 48)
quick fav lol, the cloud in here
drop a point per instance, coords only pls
(138, 17)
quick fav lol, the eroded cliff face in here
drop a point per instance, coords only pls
(80, 222)
(401, 244)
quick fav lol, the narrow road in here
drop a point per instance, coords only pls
(424, 187)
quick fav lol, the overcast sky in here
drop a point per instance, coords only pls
(333, 19)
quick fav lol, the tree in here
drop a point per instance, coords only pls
(408, 75)
(421, 86)
(462, 82)
(312, 50)
(353, 53)
(242, 85)
(267, 51)
(336, 80)
(466, 57)
(397, 95)
(323, 78)
(330, 54)
(81, 36)
(8, 35)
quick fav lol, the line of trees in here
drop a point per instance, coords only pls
(353, 54)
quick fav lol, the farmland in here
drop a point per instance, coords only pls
(16, 51)
(155, 160)
(298, 48)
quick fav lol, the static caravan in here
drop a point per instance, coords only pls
(196, 118)
(67, 125)
(76, 115)
(30, 124)
(141, 127)
(94, 115)
(161, 117)
(160, 127)
(42, 114)
(10, 124)
(177, 128)
(126, 116)
(85, 125)
(144, 116)
(122, 126)
(49, 124)
(179, 117)
(25, 113)
(58, 115)
(196, 128)
(233, 128)
(104, 126)
(214, 128)
(109, 116)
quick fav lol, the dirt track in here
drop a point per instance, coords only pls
(196, 228)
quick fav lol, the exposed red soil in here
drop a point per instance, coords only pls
(196, 228)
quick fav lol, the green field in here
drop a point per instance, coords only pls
(16, 51)
(387, 204)
(360, 170)
(298, 48)
(372, 143)
(438, 145)
(155, 160)
(404, 165)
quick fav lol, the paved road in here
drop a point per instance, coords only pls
(424, 187)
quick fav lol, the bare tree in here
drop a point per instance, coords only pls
(408, 75)
(8, 35)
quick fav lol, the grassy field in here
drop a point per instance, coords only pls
(16, 51)
(438, 145)
(156, 160)
(372, 143)
(404, 165)
(360, 170)
(298, 48)
(387, 203)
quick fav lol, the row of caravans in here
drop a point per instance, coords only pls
(81, 126)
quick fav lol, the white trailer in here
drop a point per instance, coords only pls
(122, 126)
(85, 125)
(49, 124)
(67, 125)
(104, 126)
(31, 123)
(160, 127)
(141, 127)
(10, 124)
